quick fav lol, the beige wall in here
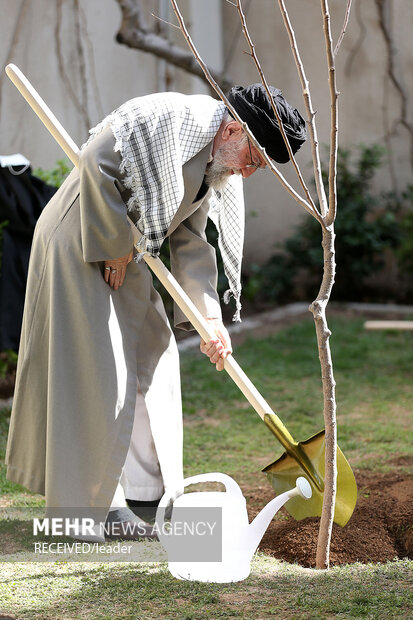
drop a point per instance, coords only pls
(369, 103)
(114, 73)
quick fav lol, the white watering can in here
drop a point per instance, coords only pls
(190, 557)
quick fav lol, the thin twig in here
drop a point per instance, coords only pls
(309, 107)
(344, 28)
(220, 93)
(332, 175)
(232, 45)
(274, 107)
(165, 21)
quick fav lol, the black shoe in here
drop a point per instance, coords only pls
(136, 503)
(144, 509)
(122, 524)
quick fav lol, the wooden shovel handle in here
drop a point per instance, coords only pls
(44, 113)
(201, 325)
(156, 265)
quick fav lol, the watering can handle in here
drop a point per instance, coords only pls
(230, 485)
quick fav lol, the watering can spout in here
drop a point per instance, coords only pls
(258, 527)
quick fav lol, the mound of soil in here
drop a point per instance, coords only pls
(380, 529)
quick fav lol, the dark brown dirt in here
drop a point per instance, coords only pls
(380, 529)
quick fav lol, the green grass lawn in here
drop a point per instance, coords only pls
(374, 374)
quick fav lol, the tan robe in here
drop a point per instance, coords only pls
(83, 345)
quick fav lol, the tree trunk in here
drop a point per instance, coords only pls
(318, 309)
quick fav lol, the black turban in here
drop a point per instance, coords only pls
(254, 108)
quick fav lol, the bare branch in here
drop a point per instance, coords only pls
(332, 197)
(165, 22)
(274, 107)
(232, 45)
(134, 33)
(220, 93)
(344, 28)
(309, 107)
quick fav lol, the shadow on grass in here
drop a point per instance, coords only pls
(273, 590)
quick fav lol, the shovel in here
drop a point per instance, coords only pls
(300, 458)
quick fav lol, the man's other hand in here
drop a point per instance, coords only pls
(115, 270)
(218, 348)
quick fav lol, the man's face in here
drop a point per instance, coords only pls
(234, 156)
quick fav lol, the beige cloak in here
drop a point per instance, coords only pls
(85, 346)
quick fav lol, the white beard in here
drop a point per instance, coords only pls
(216, 175)
(218, 171)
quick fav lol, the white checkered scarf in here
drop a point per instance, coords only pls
(156, 135)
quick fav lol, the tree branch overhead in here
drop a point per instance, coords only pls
(134, 33)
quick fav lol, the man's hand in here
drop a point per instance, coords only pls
(218, 348)
(115, 270)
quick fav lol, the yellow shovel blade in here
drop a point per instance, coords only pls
(285, 470)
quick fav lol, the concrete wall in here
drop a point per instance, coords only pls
(71, 57)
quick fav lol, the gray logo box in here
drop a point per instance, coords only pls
(191, 534)
(31, 534)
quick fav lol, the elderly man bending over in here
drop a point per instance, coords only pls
(97, 422)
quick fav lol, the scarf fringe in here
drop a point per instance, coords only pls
(141, 248)
(227, 296)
